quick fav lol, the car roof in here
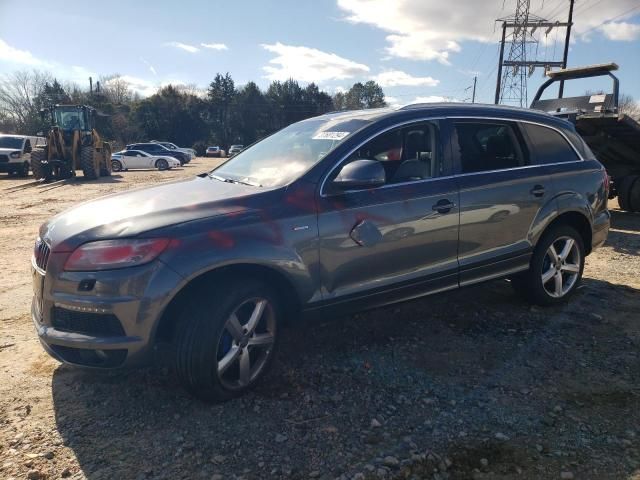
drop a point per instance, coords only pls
(448, 109)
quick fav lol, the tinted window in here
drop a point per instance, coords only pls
(580, 144)
(549, 145)
(407, 153)
(488, 146)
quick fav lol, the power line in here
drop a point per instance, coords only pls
(611, 19)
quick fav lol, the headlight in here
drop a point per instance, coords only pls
(113, 254)
(14, 154)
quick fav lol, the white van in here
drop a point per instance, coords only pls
(15, 153)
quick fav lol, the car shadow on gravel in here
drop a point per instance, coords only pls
(449, 380)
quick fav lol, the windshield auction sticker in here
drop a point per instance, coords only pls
(330, 135)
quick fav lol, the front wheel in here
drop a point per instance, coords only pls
(23, 171)
(226, 340)
(116, 166)
(556, 267)
(162, 164)
(41, 171)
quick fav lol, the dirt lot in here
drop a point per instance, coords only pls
(469, 384)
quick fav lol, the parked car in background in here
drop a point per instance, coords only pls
(15, 153)
(172, 146)
(158, 149)
(333, 214)
(235, 149)
(127, 159)
(214, 152)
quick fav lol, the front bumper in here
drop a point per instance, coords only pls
(134, 298)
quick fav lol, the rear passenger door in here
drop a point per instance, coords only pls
(501, 194)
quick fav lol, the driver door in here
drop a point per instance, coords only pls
(400, 238)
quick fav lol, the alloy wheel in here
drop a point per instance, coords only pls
(561, 267)
(246, 343)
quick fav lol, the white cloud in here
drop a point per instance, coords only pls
(623, 31)
(434, 30)
(183, 46)
(214, 46)
(151, 67)
(21, 57)
(309, 64)
(431, 99)
(397, 78)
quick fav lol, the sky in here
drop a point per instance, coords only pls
(417, 50)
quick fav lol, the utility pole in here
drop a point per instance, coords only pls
(500, 61)
(473, 95)
(565, 56)
(511, 83)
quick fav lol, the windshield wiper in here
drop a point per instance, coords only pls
(232, 180)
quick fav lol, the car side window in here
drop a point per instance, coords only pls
(487, 146)
(409, 153)
(549, 145)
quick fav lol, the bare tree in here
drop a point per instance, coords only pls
(116, 88)
(628, 106)
(19, 93)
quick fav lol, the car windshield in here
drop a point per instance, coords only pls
(11, 142)
(284, 156)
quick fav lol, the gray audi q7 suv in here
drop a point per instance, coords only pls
(337, 213)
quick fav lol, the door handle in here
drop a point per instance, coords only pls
(537, 191)
(443, 206)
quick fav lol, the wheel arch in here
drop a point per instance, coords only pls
(287, 294)
(577, 220)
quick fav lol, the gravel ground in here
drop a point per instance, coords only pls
(468, 384)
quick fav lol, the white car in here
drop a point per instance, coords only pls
(126, 159)
(15, 153)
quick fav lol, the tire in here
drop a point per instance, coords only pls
(624, 191)
(40, 171)
(23, 171)
(633, 195)
(211, 347)
(530, 284)
(162, 164)
(89, 163)
(106, 165)
(116, 165)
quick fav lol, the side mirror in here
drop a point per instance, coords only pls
(27, 149)
(360, 174)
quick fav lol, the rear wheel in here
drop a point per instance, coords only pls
(90, 163)
(555, 269)
(106, 165)
(162, 164)
(226, 339)
(633, 195)
(40, 171)
(624, 188)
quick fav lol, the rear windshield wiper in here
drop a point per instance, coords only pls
(232, 180)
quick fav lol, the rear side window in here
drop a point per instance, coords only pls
(488, 146)
(549, 145)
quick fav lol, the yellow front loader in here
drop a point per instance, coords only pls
(72, 144)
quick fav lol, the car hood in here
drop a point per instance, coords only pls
(132, 213)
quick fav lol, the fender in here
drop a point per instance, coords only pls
(565, 202)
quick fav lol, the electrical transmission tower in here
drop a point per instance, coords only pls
(511, 84)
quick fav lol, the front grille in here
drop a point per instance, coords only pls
(96, 324)
(41, 252)
(4, 158)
